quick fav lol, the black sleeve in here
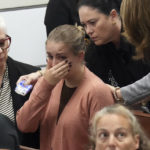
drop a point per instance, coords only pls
(60, 12)
(8, 134)
(24, 69)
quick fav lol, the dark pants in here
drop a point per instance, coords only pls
(8, 134)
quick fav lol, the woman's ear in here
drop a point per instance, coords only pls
(81, 55)
(137, 141)
(113, 13)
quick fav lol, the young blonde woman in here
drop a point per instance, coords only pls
(66, 97)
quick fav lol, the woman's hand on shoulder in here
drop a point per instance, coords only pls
(112, 88)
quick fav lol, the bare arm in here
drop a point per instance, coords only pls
(133, 93)
(32, 77)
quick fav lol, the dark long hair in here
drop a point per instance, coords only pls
(104, 6)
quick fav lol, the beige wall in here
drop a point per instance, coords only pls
(4, 4)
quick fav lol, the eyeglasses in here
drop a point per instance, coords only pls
(5, 43)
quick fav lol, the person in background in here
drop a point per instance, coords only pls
(137, 31)
(60, 12)
(66, 97)
(116, 128)
(10, 102)
(109, 55)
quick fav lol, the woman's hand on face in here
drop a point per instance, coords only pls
(54, 74)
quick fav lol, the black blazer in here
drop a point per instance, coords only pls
(15, 70)
(125, 70)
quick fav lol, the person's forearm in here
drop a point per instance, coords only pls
(30, 114)
(41, 72)
(136, 91)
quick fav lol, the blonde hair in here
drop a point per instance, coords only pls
(72, 36)
(136, 22)
(120, 111)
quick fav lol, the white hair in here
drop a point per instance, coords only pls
(2, 24)
(135, 126)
